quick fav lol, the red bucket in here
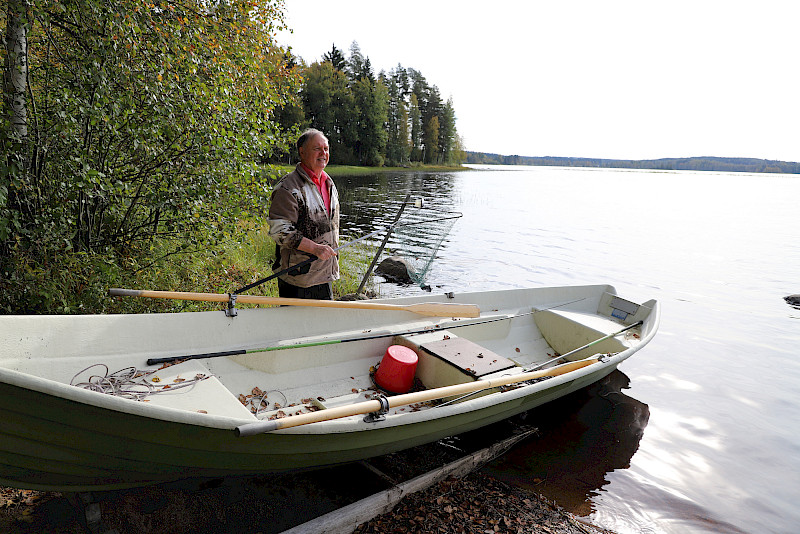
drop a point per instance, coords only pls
(397, 368)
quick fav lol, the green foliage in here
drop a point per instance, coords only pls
(146, 124)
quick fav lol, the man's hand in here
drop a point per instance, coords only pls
(322, 252)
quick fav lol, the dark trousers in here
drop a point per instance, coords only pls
(318, 292)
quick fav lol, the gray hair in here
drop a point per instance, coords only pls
(308, 134)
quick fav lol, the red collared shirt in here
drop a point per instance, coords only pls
(321, 181)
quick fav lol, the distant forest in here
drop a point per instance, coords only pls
(388, 118)
(665, 164)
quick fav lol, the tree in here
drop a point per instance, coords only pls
(145, 121)
(370, 99)
(358, 65)
(397, 144)
(329, 107)
(416, 128)
(336, 58)
(431, 135)
(15, 73)
(447, 133)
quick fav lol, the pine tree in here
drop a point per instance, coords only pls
(336, 58)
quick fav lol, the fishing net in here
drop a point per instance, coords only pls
(417, 238)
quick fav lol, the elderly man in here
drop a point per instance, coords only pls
(304, 221)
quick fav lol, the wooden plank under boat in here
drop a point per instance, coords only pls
(57, 436)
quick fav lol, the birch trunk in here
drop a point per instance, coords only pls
(15, 74)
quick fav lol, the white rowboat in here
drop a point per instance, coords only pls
(287, 388)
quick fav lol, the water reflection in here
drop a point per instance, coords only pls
(582, 437)
(374, 200)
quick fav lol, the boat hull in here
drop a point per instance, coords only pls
(57, 437)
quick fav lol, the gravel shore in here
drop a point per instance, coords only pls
(475, 504)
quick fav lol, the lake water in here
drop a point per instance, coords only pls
(698, 432)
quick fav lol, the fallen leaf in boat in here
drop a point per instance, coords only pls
(167, 386)
(277, 406)
(321, 399)
(201, 411)
(155, 379)
(280, 414)
(517, 349)
(179, 379)
(446, 337)
(242, 398)
(354, 390)
(257, 392)
(306, 401)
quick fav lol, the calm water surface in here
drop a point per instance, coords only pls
(698, 431)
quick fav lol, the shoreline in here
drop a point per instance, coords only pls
(356, 170)
(476, 503)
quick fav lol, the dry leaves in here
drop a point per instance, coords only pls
(476, 504)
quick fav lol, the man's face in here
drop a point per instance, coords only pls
(315, 153)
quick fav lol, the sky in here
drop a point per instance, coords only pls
(614, 79)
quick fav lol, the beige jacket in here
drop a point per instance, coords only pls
(297, 210)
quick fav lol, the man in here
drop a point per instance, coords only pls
(304, 221)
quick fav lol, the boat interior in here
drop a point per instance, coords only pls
(288, 380)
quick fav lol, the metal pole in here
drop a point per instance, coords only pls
(383, 244)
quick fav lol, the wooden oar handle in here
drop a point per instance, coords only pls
(431, 309)
(250, 429)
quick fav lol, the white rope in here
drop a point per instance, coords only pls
(131, 383)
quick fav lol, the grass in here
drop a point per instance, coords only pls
(226, 270)
(78, 283)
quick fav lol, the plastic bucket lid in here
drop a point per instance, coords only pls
(397, 368)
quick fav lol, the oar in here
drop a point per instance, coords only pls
(384, 404)
(426, 330)
(552, 360)
(431, 309)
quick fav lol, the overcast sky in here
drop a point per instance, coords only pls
(633, 79)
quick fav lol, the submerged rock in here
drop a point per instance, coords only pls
(395, 269)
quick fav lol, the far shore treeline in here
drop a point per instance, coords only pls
(715, 164)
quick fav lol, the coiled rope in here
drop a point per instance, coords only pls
(131, 383)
